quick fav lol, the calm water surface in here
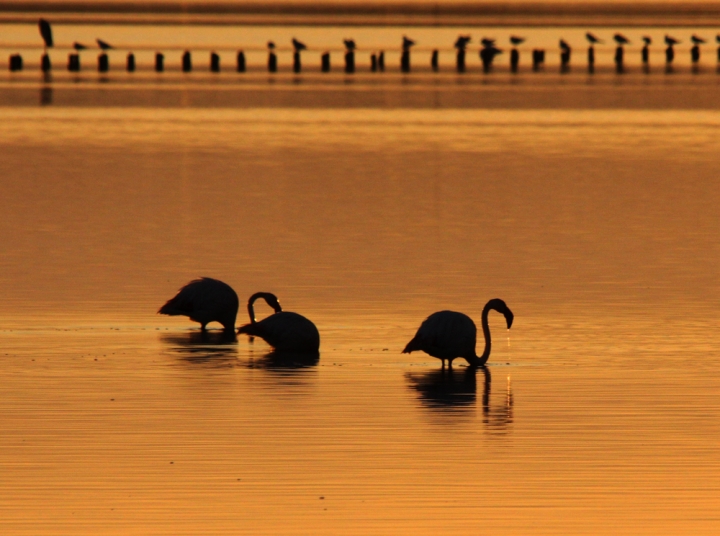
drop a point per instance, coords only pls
(598, 413)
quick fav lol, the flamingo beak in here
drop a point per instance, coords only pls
(509, 317)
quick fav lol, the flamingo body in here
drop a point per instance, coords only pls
(286, 331)
(205, 300)
(445, 335)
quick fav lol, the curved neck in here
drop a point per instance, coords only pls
(480, 361)
(270, 299)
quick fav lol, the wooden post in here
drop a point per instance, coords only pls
(103, 63)
(434, 64)
(350, 61)
(214, 62)
(16, 62)
(159, 62)
(325, 62)
(74, 62)
(45, 64)
(131, 62)
(405, 61)
(272, 62)
(240, 61)
(514, 60)
(186, 62)
(297, 67)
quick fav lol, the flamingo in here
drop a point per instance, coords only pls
(205, 300)
(283, 330)
(448, 335)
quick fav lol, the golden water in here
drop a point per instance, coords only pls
(598, 413)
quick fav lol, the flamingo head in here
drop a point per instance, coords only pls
(501, 307)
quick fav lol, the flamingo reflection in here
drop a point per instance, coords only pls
(453, 390)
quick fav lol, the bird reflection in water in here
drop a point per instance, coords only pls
(213, 348)
(285, 363)
(452, 390)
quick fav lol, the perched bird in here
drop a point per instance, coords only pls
(103, 44)
(647, 40)
(697, 40)
(515, 40)
(283, 330)
(487, 42)
(670, 41)
(448, 335)
(564, 45)
(462, 42)
(46, 32)
(79, 46)
(270, 45)
(592, 38)
(297, 45)
(205, 300)
(620, 39)
(349, 44)
(407, 42)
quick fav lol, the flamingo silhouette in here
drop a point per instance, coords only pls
(285, 331)
(448, 335)
(205, 300)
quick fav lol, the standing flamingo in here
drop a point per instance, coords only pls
(283, 330)
(205, 300)
(447, 335)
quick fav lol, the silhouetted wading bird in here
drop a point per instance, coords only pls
(449, 335)
(205, 300)
(103, 44)
(283, 330)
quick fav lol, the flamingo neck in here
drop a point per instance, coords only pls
(479, 361)
(265, 296)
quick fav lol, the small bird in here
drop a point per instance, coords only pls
(205, 300)
(592, 38)
(697, 40)
(448, 335)
(670, 41)
(349, 44)
(462, 42)
(79, 46)
(487, 42)
(620, 39)
(46, 32)
(564, 45)
(647, 40)
(297, 45)
(270, 45)
(283, 330)
(407, 42)
(515, 40)
(103, 44)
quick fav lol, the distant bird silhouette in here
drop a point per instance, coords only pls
(564, 45)
(487, 42)
(620, 39)
(79, 46)
(103, 44)
(270, 45)
(46, 32)
(407, 42)
(515, 40)
(647, 40)
(697, 40)
(670, 41)
(349, 44)
(462, 42)
(717, 38)
(448, 335)
(298, 46)
(205, 300)
(592, 38)
(283, 330)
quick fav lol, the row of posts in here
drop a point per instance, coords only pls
(377, 60)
